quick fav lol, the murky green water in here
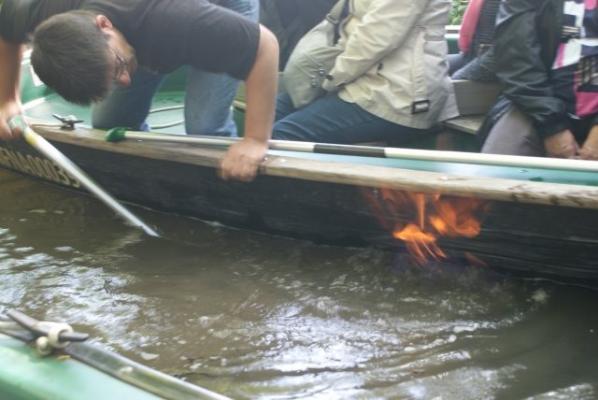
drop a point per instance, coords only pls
(259, 317)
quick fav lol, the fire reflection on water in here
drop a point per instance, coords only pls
(419, 219)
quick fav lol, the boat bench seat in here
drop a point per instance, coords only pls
(474, 99)
(466, 124)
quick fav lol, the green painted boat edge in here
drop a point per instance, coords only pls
(84, 371)
(24, 375)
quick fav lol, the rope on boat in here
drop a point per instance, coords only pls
(168, 124)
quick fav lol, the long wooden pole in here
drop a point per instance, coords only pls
(47, 149)
(500, 160)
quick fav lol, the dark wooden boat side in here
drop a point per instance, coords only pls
(532, 228)
(302, 167)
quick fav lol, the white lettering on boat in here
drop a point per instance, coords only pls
(36, 166)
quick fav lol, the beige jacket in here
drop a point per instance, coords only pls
(394, 61)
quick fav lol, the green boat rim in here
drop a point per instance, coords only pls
(96, 370)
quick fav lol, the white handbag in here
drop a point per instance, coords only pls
(313, 57)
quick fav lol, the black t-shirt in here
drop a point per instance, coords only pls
(164, 33)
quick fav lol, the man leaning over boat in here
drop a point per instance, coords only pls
(115, 53)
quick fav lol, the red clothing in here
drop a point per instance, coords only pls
(469, 24)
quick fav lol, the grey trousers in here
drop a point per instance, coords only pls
(514, 134)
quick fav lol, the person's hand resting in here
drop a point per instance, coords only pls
(243, 159)
(561, 145)
(589, 150)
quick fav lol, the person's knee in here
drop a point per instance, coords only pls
(290, 129)
(455, 62)
(513, 134)
(218, 124)
(284, 106)
(108, 118)
(102, 120)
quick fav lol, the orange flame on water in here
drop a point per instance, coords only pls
(419, 220)
(419, 243)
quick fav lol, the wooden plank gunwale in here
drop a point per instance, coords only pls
(511, 190)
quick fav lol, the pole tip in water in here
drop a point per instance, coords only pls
(151, 232)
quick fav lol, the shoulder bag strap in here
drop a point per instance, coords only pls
(338, 12)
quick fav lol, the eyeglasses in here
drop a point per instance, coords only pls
(121, 65)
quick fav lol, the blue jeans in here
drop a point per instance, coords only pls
(208, 96)
(330, 119)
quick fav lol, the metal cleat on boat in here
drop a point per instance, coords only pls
(68, 122)
(47, 336)
(84, 371)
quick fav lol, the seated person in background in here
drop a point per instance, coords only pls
(289, 20)
(547, 61)
(390, 83)
(475, 60)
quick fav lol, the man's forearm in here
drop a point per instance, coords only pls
(10, 65)
(261, 89)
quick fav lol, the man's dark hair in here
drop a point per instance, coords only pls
(70, 54)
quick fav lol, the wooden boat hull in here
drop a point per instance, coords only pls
(323, 199)
(538, 222)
